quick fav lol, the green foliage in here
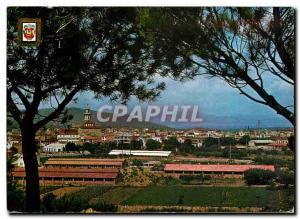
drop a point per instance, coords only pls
(235, 153)
(259, 177)
(285, 177)
(81, 49)
(49, 202)
(171, 144)
(224, 141)
(180, 200)
(168, 181)
(187, 147)
(199, 41)
(199, 178)
(153, 144)
(201, 196)
(104, 207)
(136, 144)
(101, 149)
(115, 195)
(11, 124)
(77, 201)
(244, 140)
(281, 200)
(208, 142)
(278, 162)
(15, 196)
(70, 146)
(136, 162)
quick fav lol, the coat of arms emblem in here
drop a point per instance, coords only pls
(29, 31)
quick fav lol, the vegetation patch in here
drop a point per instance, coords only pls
(115, 195)
(201, 196)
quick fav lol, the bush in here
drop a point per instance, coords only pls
(136, 144)
(189, 178)
(277, 162)
(15, 200)
(15, 195)
(70, 146)
(168, 181)
(286, 178)
(259, 177)
(153, 144)
(75, 202)
(48, 202)
(137, 163)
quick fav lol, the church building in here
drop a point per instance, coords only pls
(89, 128)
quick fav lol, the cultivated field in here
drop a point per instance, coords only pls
(201, 196)
(183, 198)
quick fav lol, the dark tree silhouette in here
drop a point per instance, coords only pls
(246, 47)
(95, 49)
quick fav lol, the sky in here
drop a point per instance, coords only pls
(213, 96)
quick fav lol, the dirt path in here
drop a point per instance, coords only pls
(63, 191)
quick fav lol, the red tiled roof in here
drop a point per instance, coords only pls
(215, 167)
(91, 137)
(84, 162)
(86, 159)
(73, 170)
(68, 172)
(278, 144)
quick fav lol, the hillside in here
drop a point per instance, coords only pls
(77, 114)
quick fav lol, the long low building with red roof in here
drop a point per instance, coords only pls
(84, 163)
(81, 176)
(213, 169)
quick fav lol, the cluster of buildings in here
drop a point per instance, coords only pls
(75, 171)
(215, 170)
(105, 171)
(87, 171)
(54, 140)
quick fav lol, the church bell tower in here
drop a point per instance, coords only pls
(87, 114)
(88, 117)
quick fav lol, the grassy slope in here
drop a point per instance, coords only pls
(184, 196)
(116, 195)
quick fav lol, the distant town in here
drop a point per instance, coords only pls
(88, 154)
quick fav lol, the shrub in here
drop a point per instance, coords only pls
(137, 163)
(201, 177)
(153, 144)
(285, 177)
(259, 177)
(49, 202)
(168, 181)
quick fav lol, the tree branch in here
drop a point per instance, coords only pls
(58, 110)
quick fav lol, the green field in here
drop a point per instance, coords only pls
(116, 195)
(185, 196)
(201, 196)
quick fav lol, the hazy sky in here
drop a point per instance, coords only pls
(213, 96)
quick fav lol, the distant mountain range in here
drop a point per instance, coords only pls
(209, 121)
(77, 119)
(234, 122)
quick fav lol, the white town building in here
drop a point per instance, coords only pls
(54, 147)
(68, 138)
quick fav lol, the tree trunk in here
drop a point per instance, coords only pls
(31, 168)
(291, 143)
